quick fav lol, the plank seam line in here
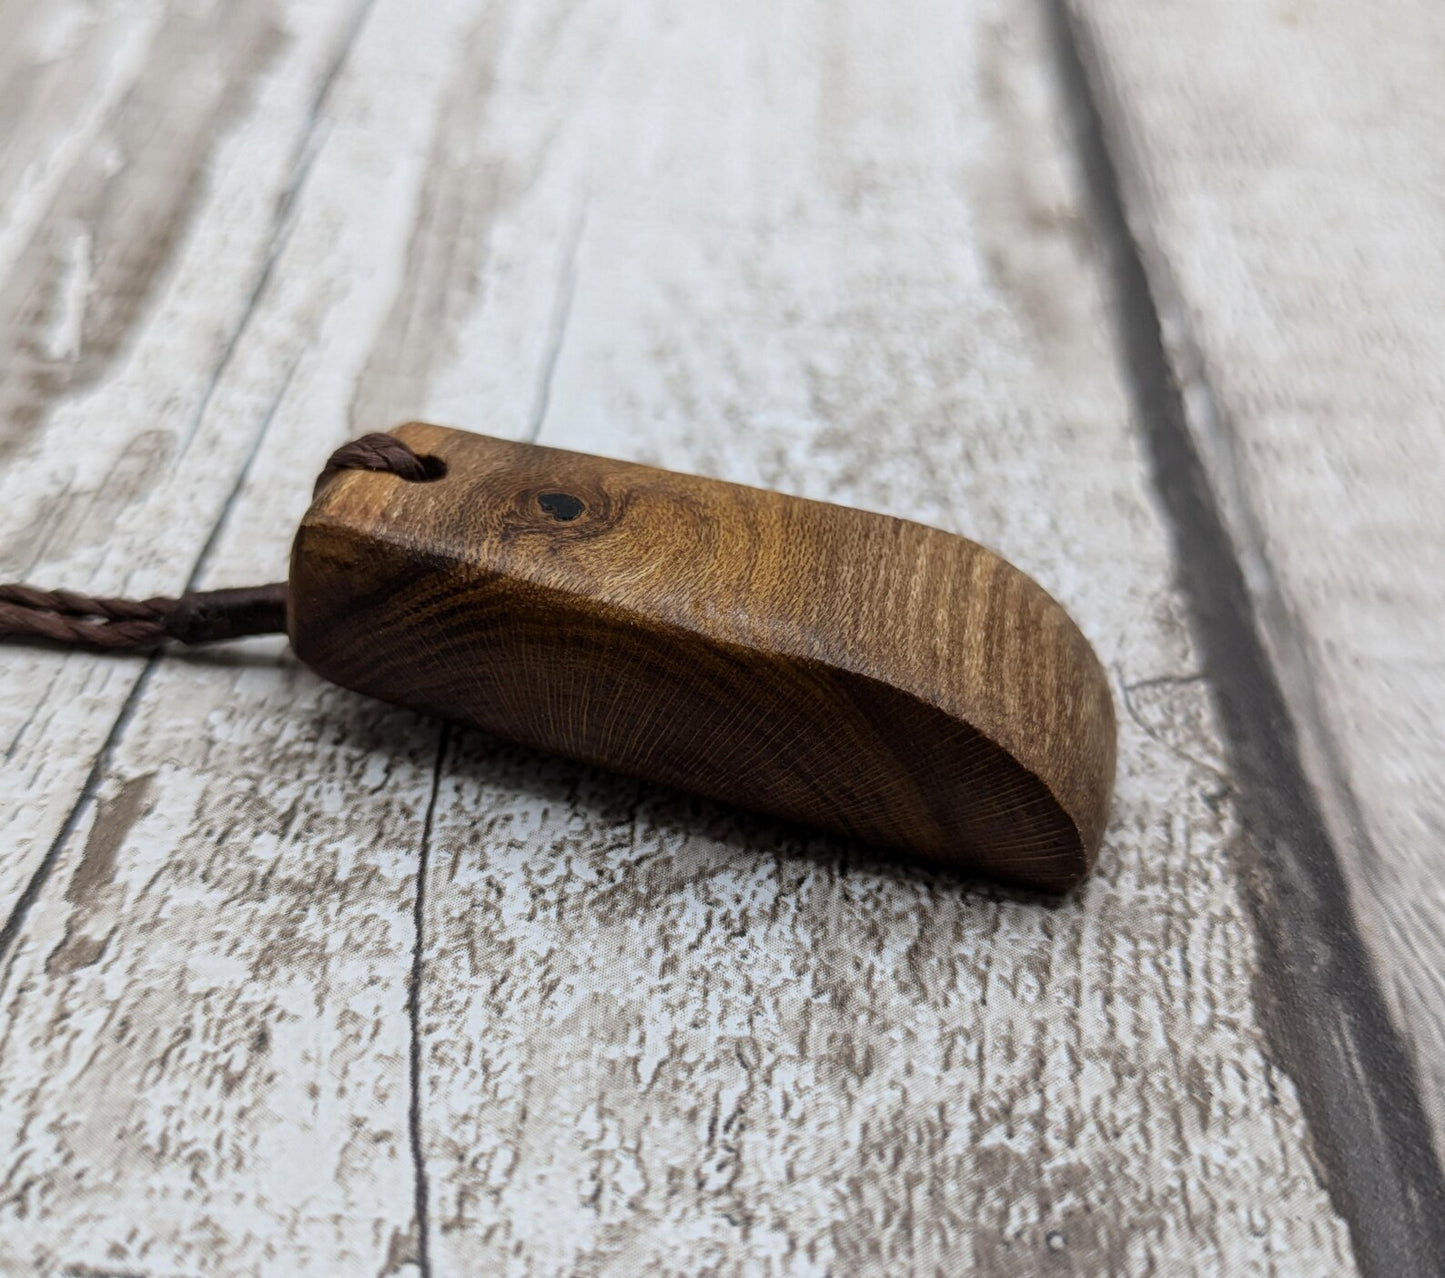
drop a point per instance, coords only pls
(282, 221)
(561, 313)
(10, 933)
(413, 1012)
(557, 323)
(1320, 999)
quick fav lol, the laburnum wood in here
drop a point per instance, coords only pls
(840, 668)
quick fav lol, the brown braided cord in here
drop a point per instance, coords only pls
(67, 617)
(89, 621)
(377, 452)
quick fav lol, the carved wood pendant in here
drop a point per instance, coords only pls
(844, 669)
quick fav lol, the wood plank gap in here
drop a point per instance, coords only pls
(1320, 996)
(305, 154)
(557, 325)
(98, 770)
(413, 1010)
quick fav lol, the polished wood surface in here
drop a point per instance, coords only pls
(849, 670)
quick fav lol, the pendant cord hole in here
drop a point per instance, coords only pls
(383, 454)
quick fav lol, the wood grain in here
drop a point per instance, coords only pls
(866, 674)
(834, 250)
(1294, 242)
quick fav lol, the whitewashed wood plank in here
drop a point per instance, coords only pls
(120, 309)
(63, 67)
(204, 1061)
(1288, 163)
(838, 251)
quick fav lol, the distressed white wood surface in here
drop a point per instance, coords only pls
(1301, 227)
(821, 247)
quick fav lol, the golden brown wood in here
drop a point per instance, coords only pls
(845, 669)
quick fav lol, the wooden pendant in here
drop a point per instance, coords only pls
(844, 669)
